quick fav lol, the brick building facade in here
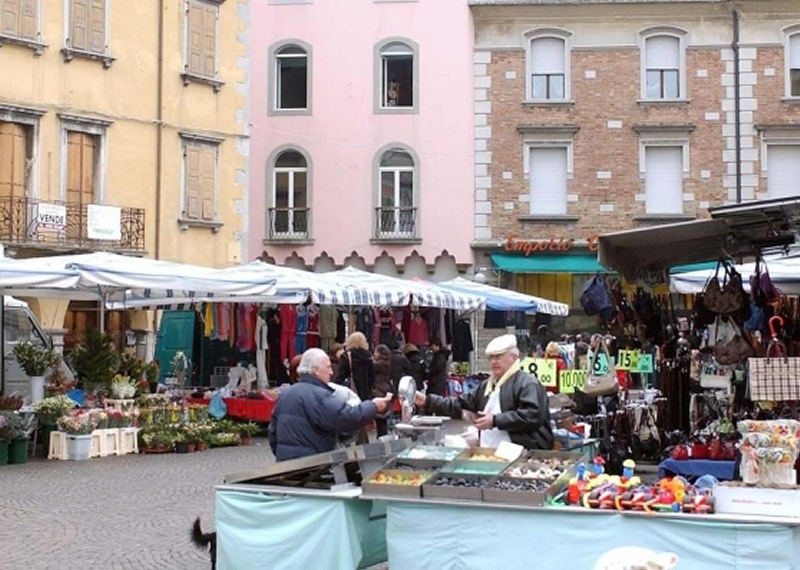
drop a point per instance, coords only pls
(593, 117)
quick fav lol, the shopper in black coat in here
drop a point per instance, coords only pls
(416, 364)
(355, 366)
(437, 371)
(383, 385)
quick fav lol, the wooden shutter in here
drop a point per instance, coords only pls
(13, 166)
(210, 41)
(208, 181)
(29, 19)
(81, 149)
(78, 35)
(10, 17)
(192, 185)
(97, 26)
(195, 48)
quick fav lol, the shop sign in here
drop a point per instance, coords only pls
(635, 361)
(103, 222)
(556, 245)
(568, 380)
(51, 217)
(542, 368)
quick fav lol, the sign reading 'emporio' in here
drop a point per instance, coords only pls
(555, 245)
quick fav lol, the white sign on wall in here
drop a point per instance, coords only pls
(51, 216)
(103, 222)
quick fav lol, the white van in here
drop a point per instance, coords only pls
(19, 325)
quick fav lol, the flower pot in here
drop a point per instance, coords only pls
(182, 447)
(3, 452)
(44, 436)
(245, 439)
(37, 388)
(200, 446)
(18, 451)
(78, 447)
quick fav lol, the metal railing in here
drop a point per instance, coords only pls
(395, 223)
(288, 223)
(21, 225)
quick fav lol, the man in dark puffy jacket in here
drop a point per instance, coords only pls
(309, 414)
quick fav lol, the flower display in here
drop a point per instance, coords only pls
(51, 409)
(122, 387)
(77, 424)
(35, 360)
(179, 362)
(12, 402)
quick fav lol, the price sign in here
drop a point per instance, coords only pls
(600, 364)
(542, 368)
(629, 360)
(646, 363)
(568, 380)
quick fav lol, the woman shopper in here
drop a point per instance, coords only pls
(382, 385)
(355, 368)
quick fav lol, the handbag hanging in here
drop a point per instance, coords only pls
(725, 299)
(602, 384)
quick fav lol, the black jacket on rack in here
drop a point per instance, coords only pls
(462, 341)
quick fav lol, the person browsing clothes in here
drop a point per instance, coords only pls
(511, 404)
(309, 415)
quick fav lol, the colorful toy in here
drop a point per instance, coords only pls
(627, 468)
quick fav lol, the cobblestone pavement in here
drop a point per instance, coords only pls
(132, 512)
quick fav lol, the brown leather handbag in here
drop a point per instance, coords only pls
(725, 299)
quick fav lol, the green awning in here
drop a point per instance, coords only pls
(566, 263)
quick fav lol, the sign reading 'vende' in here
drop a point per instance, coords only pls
(51, 216)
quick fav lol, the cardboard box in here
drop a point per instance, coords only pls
(757, 501)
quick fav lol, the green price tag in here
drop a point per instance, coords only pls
(600, 364)
(568, 380)
(544, 369)
(646, 363)
(628, 360)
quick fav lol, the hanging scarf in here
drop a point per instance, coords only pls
(490, 385)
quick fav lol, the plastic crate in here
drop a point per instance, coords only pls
(129, 440)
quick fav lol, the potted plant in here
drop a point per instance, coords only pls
(122, 387)
(12, 402)
(4, 442)
(35, 362)
(247, 430)
(156, 439)
(79, 428)
(95, 361)
(49, 411)
(17, 432)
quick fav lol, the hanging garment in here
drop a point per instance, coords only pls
(462, 341)
(223, 321)
(328, 317)
(312, 329)
(301, 328)
(288, 318)
(276, 371)
(262, 345)
(208, 320)
(385, 325)
(417, 330)
(365, 322)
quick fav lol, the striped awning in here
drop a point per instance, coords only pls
(507, 300)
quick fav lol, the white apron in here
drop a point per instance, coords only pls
(493, 437)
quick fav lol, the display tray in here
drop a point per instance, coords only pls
(540, 461)
(477, 461)
(397, 483)
(431, 452)
(470, 489)
(517, 491)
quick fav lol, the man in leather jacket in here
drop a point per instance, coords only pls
(511, 404)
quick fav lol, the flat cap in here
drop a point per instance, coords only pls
(501, 344)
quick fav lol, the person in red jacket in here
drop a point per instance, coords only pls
(553, 352)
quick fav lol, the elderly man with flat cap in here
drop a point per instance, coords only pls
(511, 404)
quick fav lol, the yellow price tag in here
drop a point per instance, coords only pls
(568, 380)
(628, 360)
(542, 368)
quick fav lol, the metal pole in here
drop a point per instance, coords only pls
(2, 344)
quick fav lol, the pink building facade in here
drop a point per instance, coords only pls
(362, 144)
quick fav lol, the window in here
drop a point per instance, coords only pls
(547, 69)
(16, 161)
(200, 63)
(396, 214)
(793, 65)
(290, 74)
(289, 216)
(663, 171)
(548, 170)
(662, 63)
(20, 24)
(200, 165)
(783, 170)
(87, 29)
(397, 76)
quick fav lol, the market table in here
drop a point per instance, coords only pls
(244, 408)
(448, 535)
(722, 470)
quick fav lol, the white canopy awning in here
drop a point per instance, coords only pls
(783, 270)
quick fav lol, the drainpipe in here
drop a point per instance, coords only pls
(737, 105)
(159, 124)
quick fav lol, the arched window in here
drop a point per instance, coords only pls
(397, 76)
(289, 214)
(793, 64)
(548, 67)
(663, 74)
(396, 214)
(290, 77)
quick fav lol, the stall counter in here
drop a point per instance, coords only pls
(244, 408)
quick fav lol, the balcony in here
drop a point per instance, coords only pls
(33, 223)
(396, 225)
(289, 224)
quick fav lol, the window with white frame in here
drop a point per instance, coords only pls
(793, 65)
(290, 77)
(289, 214)
(662, 67)
(663, 179)
(783, 170)
(548, 171)
(548, 67)
(396, 211)
(397, 76)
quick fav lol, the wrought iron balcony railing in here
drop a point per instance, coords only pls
(395, 223)
(289, 223)
(30, 222)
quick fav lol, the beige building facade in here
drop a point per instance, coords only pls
(123, 127)
(593, 117)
